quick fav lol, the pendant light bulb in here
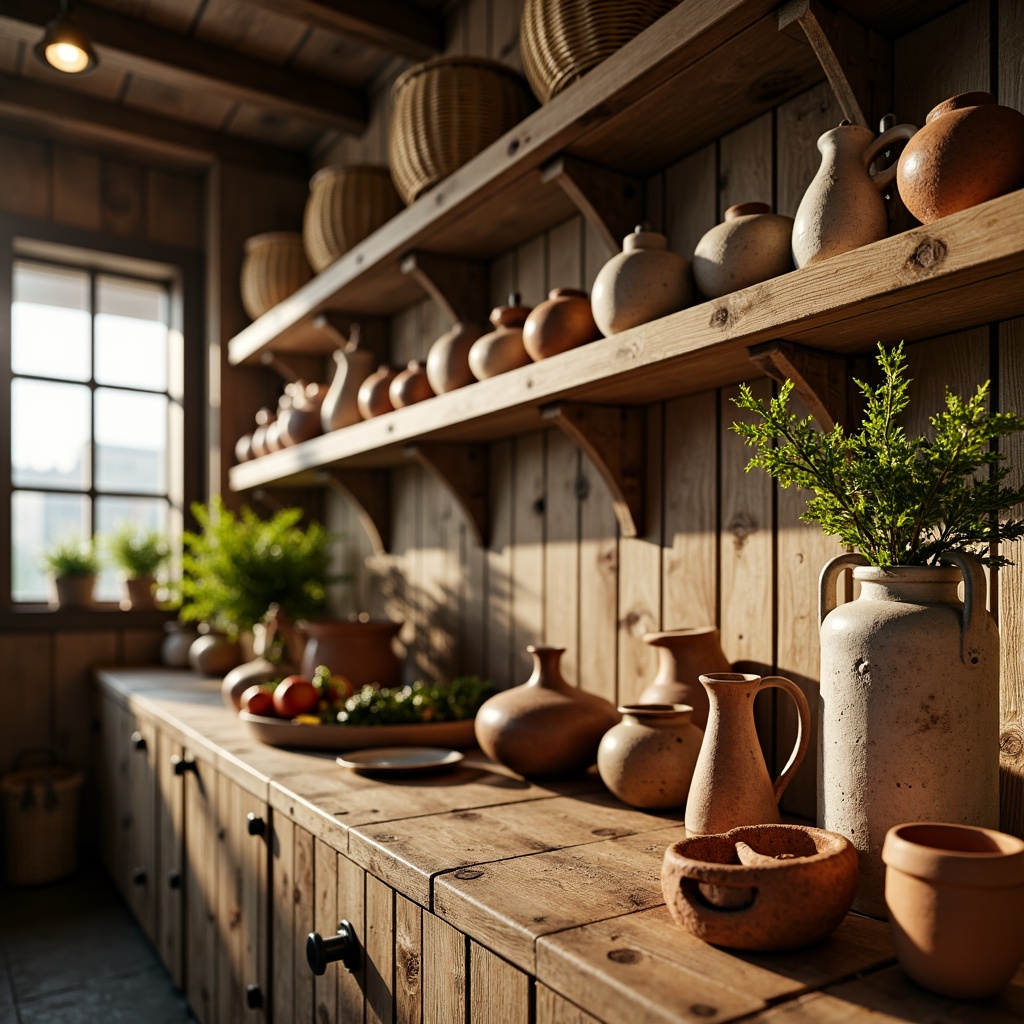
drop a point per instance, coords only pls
(65, 46)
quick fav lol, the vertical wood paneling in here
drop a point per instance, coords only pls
(745, 164)
(169, 851)
(380, 952)
(527, 552)
(229, 947)
(27, 695)
(201, 893)
(123, 195)
(325, 921)
(799, 124)
(76, 188)
(282, 916)
(444, 972)
(351, 908)
(408, 961)
(28, 177)
(174, 207)
(499, 565)
(304, 898)
(74, 655)
(553, 1009)
(498, 992)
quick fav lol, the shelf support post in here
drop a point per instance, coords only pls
(462, 469)
(457, 285)
(369, 493)
(613, 438)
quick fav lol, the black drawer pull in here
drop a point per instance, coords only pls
(174, 879)
(139, 876)
(344, 947)
(138, 741)
(253, 997)
(183, 764)
(255, 825)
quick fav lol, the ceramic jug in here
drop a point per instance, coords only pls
(341, 406)
(843, 207)
(502, 349)
(298, 420)
(730, 784)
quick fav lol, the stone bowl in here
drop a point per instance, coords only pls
(763, 887)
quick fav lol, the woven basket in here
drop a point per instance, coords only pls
(345, 205)
(274, 267)
(561, 40)
(447, 110)
(41, 817)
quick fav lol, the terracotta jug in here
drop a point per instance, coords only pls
(448, 358)
(563, 321)
(302, 421)
(956, 902)
(683, 656)
(360, 651)
(341, 406)
(730, 784)
(545, 726)
(503, 348)
(843, 207)
(373, 398)
(912, 671)
(410, 386)
(970, 149)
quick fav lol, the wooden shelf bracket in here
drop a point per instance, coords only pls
(369, 492)
(457, 285)
(462, 469)
(613, 438)
(612, 202)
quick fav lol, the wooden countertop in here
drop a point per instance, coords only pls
(559, 879)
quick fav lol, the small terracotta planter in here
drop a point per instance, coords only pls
(72, 591)
(955, 895)
(768, 887)
(139, 593)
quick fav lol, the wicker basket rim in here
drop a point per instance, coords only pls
(334, 170)
(272, 237)
(456, 61)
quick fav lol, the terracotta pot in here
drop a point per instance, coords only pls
(360, 651)
(72, 591)
(373, 398)
(410, 386)
(683, 656)
(563, 321)
(647, 760)
(752, 244)
(970, 149)
(448, 358)
(956, 902)
(544, 727)
(644, 282)
(274, 267)
(139, 593)
(914, 673)
(730, 784)
(843, 207)
(768, 887)
(213, 654)
(300, 420)
(503, 349)
(175, 646)
(341, 405)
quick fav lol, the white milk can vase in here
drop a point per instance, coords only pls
(909, 706)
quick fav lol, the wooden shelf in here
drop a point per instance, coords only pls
(958, 272)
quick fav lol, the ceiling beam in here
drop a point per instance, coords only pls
(111, 122)
(167, 57)
(395, 26)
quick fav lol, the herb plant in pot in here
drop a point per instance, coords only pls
(138, 553)
(72, 566)
(909, 699)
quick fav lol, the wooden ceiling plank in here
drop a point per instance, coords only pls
(156, 53)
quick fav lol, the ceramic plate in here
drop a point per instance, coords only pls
(400, 759)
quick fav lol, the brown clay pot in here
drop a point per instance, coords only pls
(503, 348)
(259, 436)
(373, 398)
(139, 593)
(243, 448)
(299, 420)
(175, 646)
(410, 386)
(563, 321)
(72, 591)
(955, 895)
(544, 727)
(970, 149)
(359, 651)
(767, 887)
(448, 358)
(213, 654)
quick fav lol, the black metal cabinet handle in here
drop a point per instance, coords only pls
(183, 764)
(139, 876)
(138, 741)
(174, 879)
(255, 826)
(344, 947)
(253, 997)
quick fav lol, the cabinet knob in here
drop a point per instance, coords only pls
(183, 764)
(139, 876)
(344, 947)
(138, 741)
(174, 879)
(253, 997)
(255, 826)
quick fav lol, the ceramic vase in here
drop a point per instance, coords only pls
(731, 786)
(647, 760)
(264, 417)
(909, 706)
(751, 244)
(373, 398)
(956, 903)
(563, 321)
(970, 149)
(359, 651)
(139, 593)
(243, 448)
(684, 655)
(545, 726)
(341, 405)
(448, 358)
(843, 207)
(213, 654)
(301, 420)
(276, 649)
(175, 646)
(502, 349)
(644, 282)
(410, 386)
(72, 591)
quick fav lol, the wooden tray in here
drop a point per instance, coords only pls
(279, 733)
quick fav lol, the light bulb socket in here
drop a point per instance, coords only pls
(64, 31)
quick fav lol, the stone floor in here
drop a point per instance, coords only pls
(71, 954)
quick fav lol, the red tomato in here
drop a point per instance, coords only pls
(295, 696)
(257, 701)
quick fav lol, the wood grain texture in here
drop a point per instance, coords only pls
(527, 570)
(498, 993)
(745, 164)
(282, 917)
(380, 952)
(28, 175)
(553, 1009)
(76, 188)
(201, 890)
(352, 908)
(27, 720)
(444, 972)
(408, 961)
(325, 922)
(74, 655)
(170, 834)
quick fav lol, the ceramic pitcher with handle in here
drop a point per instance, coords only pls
(731, 786)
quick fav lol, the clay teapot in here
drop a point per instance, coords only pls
(373, 398)
(352, 366)
(448, 358)
(410, 386)
(644, 282)
(563, 321)
(503, 348)
(843, 207)
(970, 149)
(301, 421)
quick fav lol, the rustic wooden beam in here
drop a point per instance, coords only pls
(457, 285)
(140, 47)
(369, 492)
(395, 26)
(462, 470)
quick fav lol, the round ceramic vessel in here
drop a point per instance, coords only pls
(213, 655)
(410, 386)
(373, 398)
(340, 406)
(301, 420)
(360, 651)
(175, 646)
(448, 358)
(563, 321)
(502, 349)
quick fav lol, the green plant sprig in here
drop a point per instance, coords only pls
(899, 500)
(137, 552)
(71, 558)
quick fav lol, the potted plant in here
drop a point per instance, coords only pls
(909, 691)
(72, 565)
(138, 553)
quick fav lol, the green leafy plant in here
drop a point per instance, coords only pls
(137, 552)
(900, 500)
(71, 558)
(237, 566)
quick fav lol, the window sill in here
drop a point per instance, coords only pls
(41, 618)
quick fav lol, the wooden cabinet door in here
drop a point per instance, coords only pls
(141, 881)
(112, 776)
(170, 835)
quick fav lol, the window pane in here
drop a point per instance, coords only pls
(39, 521)
(131, 333)
(50, 322)
(49, 434)
(131, 442)
(144, 513)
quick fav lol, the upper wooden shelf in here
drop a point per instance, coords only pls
(958, 272)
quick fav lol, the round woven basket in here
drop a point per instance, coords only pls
(345, 205)
(447, 110)
(561, 40)
(274, 266)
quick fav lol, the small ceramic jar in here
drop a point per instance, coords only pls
(259, 436)
(410, 386)
(373, 398)
(299, 420)
(448, 358)
(503, 348)
(563, 321)
(243, 448)
(175, 646)
(213, 654)
(644, 282)
(751, 244)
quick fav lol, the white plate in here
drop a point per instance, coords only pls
(400, 759)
